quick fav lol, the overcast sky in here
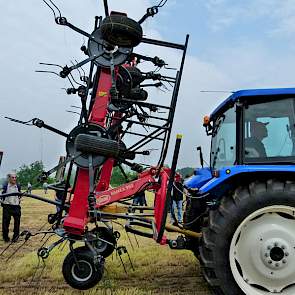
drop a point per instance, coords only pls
(233, 45)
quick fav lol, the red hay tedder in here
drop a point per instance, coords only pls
(113, 99)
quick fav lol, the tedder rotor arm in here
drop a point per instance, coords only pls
(40, 124)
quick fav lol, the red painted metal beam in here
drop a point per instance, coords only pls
(77, 219)
(126, 190)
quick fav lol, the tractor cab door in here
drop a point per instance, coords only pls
(269, 131)
(223, 145)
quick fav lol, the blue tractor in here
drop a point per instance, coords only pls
(244, 203)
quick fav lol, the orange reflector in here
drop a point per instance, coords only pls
(206, 120)
(215, 173)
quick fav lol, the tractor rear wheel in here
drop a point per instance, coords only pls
(248, 246)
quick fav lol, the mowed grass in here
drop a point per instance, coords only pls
(158, 270)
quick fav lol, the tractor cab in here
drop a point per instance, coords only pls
(254, 127)
(250, 128)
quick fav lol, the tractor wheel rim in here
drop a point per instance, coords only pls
(82, 273)
(262, 251)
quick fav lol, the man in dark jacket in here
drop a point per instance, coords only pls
(11, 207)
(254, 147)
(139, 200)
(177, 198)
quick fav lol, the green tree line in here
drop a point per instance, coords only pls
(30, 173)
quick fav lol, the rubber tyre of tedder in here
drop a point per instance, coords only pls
(89, 274)
(104, 249)
(248, 246)
(121, 30)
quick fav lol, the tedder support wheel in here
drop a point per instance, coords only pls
(248, 246)
(121, 30)
(80, 270)
(106, 246)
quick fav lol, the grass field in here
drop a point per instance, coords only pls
(158, 270)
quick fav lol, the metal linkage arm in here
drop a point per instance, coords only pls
(3, 196)
(151, 11)
(67, 70)
(40, 124)
(63, 21)
(106, 7)
(158, 62)
(163, 43)
(45, 174)
(44, 252)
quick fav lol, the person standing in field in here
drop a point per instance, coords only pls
(139, 200)
(29, 188)
(45, 187)
(177, 198)
(11, 208)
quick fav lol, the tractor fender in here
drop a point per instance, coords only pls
(201, 176)
(232, 176)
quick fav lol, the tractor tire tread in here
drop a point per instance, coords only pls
(223, 222)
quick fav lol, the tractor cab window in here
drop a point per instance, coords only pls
(269, 131)
(223, 149)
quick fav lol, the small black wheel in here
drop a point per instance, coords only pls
(124, 81)
(121, 31)
(84, 275)
(52, 218)
(138, 93)
(83, 161)
(90, 144)
(136, 75)
(248, 245)
(103, 248)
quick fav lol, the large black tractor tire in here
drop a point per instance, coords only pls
(87, 275)
(248, 245)
(121, 31)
